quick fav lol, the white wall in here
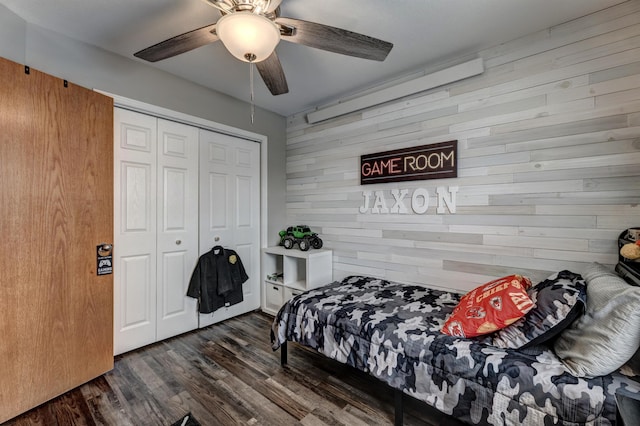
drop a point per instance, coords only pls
(13, 36)
(549, 163)
(95, 68)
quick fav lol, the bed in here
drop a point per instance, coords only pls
(393, 332)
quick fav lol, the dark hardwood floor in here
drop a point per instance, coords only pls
(227, 374)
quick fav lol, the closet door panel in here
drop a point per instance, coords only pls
(135, 230)
(137, 216)
(174, 303)
(247, 216)
(176, 193)
(244, 204)
(216, 190)
(135, 275)
(177, 227)
(230, 210)
(218, 196)
(250, 260)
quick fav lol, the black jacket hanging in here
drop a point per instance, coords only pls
(217, 280)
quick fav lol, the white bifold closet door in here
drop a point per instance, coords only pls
(155, 227)
(230, 210)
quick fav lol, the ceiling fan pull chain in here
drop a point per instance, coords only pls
(251, 57)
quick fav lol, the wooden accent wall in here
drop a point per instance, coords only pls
(549, 163)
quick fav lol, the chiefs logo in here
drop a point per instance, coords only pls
(455, 329)
(496, 303)
(476, 312)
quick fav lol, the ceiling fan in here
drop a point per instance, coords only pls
(251, 30)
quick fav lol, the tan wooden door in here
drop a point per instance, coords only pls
(56, 206)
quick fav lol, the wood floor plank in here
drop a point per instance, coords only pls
(142, 403)
(262, 405)
(103, 402)
(294, 396)
(227, 374)
(331, 416)
(72, 408)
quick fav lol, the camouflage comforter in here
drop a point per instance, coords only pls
(392, 331)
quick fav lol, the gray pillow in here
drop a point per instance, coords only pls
(608, 335)
(559, 300)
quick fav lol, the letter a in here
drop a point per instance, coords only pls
(379, 205)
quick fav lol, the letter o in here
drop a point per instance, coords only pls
(438, 163)
(420, 208)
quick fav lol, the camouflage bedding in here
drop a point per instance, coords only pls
(392, 331)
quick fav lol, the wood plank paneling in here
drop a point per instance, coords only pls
(549, 162)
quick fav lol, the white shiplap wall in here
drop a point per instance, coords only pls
(548, 171)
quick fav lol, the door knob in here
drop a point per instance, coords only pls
(178, 242)
(104, 249)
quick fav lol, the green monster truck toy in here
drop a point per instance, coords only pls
(301, 235)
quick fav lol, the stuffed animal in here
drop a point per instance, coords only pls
(631, 251)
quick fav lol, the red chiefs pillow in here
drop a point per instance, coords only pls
(490, 307)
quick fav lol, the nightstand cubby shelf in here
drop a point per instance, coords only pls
(289, 272)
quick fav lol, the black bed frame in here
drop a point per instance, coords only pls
(397, 394)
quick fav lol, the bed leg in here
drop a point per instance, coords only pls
(399, 409)
(283, 354)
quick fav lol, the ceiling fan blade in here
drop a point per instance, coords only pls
(271, 72)
(334, 39)
(273, 5)
(179, 44)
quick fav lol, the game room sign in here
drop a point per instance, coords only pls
(435, 161)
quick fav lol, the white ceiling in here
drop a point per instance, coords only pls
(424, 33)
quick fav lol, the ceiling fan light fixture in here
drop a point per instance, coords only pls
(247, 36)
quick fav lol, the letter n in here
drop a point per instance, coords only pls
(448, 198)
